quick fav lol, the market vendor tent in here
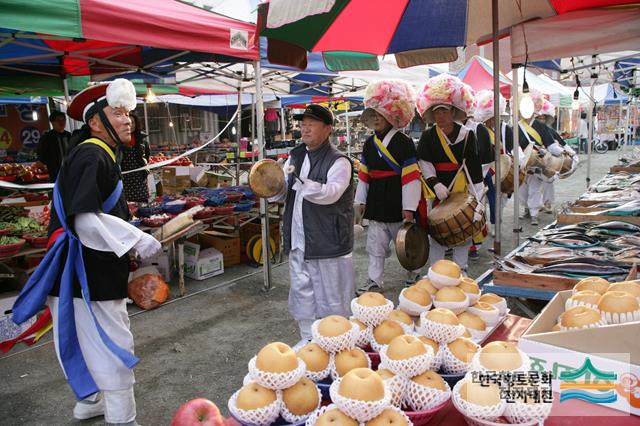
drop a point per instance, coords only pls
(478, 73)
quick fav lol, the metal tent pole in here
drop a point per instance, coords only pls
(238, 134)
(516, 155)
(497, 128)
(264, 212)
(346, 117)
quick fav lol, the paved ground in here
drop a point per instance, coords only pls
(199, 346)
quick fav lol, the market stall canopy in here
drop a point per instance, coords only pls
(627, 74)
(380, 27)
(165, 24)
(478, 73)
(556, 94)
(580, 32)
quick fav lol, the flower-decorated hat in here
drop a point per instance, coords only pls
(484, 106)
(393, 99)
(547, 109)
(120, 93)
(538, 100)
(468, 101)
(443, 89)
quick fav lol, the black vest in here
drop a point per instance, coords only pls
(328, 229)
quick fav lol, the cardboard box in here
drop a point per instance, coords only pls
(610, 348)
(8, 329)
(201, 264)
(163, 261)
(175, 179)
(226, 243)
(215, 180)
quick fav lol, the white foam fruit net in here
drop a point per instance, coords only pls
(261, 416)
(421, 398)
(334, 372)
(410, 307)
(594, 325)
(361, 411)
(371, 315)
(520, 412)
(377, 347)
(473, 298)
(478, 335)
(364, 336)
(450, 363)
(409, 367)
(485, 412)
(313, 418)
(620, 318)
(490, 318)
(276, 380)
(336, 343)
(525, 365)
(455, 307)
(572, 303)
(439, 280)
(441, 333)
(397, 386)
(292, 418)
(317, 376)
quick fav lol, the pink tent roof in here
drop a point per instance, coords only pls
(478, 73)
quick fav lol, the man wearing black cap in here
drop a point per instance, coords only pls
(318, 223)
(85, 272)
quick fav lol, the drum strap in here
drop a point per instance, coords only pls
(459, 182)
(530, 131)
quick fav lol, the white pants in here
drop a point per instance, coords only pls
(531, 194)
(320, 287)
(113, 378)
(548, 193)
(380, 236)
(460, 253)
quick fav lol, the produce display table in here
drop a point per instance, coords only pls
(573, 412)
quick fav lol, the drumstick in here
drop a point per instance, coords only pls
(291, 170)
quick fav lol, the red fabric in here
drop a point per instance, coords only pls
(126, 55)
(40, 323)
(165, 24)
(478, 78)
(363, 177)
(422, 213)
(564, 6)
(374, 22)
(380, 174)
(410, 177)
(54, 236)
(446, 167)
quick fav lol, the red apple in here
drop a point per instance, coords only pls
(198, 412)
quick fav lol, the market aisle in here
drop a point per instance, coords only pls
(200, 346)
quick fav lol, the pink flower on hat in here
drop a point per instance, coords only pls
(547, 109)
(393, 99)
(442, 89)
(484, 108)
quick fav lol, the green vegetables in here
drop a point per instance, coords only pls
(4, 240)
(11, 213)
(26, 225)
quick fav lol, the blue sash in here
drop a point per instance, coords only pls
(34, 295)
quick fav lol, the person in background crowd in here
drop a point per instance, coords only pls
(54, 144)
(135, 154)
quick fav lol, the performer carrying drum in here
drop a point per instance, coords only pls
(389, 178)
(484, 113)
(537, 134)
(448, 156)
(547, 117)
(487, 159)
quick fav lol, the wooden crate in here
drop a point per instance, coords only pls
(534, 281)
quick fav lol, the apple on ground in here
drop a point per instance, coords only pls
(198, 412)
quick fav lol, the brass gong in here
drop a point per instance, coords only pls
(412, 246)
(266, 178)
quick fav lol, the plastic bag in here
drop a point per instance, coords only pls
(148, 291)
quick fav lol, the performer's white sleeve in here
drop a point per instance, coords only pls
(427, 168)
(477, 189)
(361, 192)
(411, 195)
(338, 179)
(555, 149)
(280, 197)
(103, 232)
(569, 150)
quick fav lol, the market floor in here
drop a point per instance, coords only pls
(199, 346)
